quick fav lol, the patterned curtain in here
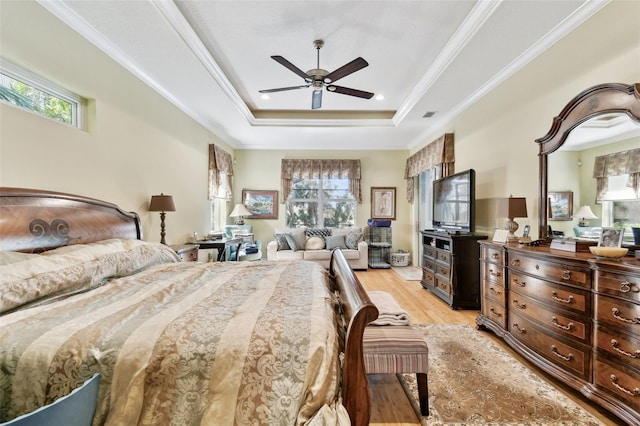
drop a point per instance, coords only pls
(315, 169)
(220, 173)
(438, 153)
(616, 164)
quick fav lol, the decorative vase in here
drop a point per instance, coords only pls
(636, 235)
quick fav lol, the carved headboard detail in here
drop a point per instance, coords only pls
(34, 221)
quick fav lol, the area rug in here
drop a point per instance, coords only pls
(474, 381)
(408, 273)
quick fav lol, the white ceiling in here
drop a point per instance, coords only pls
(210, 58)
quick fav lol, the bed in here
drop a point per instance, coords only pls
(174, 342)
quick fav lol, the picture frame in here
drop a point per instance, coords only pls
(263, 204)
(500, 236)
(611, 237)
(383, 202)
(560, 205)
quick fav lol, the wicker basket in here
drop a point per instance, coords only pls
(399, 259)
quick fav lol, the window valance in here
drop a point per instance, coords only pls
(617, 164)
(438, 153)
(315, 169)
(220, 172)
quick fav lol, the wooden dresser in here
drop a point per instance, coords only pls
(575, 317)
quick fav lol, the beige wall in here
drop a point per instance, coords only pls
(261, 170)
(138, 143)
(496, 135)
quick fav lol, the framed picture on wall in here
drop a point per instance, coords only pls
(261, 204)
(383, 203)
(560, 205)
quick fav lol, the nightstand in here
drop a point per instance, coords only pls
(186, 252)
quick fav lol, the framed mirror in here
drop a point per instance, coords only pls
(603, 99)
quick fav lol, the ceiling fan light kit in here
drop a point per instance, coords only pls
(319, 78)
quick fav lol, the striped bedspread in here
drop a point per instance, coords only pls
(175, 343)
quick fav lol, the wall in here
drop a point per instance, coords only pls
(261, 171)
(496, 136)
(137, 145)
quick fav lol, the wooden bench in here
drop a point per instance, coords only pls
(395, 349)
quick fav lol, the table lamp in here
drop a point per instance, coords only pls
(511, 208)
(240, 211)
(162, 203)
(583, 214)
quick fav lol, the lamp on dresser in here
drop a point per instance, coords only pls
(162, 203)
(511, 208)
(583, 214)
(240, 211)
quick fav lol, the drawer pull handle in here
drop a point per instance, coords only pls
(625, 287)
(494, 292)
(518, 305)
(634, 355)
(515, 262)
(554, 349)
(498, 314)
(555, 297)
(518, 329)
(616, 315)
(554, 321)
(495, 274)
(494, 255)
(566, 275)
(614, 381)
(519, 283)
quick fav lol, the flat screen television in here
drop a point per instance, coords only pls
(453, 202)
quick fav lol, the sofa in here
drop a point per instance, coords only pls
(316, 244)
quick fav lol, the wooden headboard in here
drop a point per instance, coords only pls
(34, 221)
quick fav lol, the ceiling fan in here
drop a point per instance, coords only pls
(319, 78)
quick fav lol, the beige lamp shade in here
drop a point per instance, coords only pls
(583, 214)
(240, 211)
(510, 208)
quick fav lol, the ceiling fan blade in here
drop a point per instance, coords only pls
(282, 89)
(350, 92)
(345, 70)
(316, 100)
(282, 61)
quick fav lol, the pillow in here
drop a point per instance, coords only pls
(314, 243)
(281, 239)
(296, 239)
(320, 232)
(352, 239)
(335, 241)
(10, 257)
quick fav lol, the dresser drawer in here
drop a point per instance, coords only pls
(443, 285)
(566, 274)
(428, 263)
(618, 313)
(444, 270)
(443, 256)
(429, 251)
(624, 347)
(557, 321)
(428, 278)
(494, 291)
(495, 312)
(575, 359)
(493, 272)
(493, 255)
(622, 382)
(627, 286)
(551, 293)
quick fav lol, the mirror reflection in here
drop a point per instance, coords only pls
(600, 198)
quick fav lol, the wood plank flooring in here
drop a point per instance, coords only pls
(390, 407)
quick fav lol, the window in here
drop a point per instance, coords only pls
(620, 208)
(218, 214)
(425, 198)
(322, 202)
(29, 91)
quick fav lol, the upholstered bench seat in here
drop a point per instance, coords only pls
(395, 349)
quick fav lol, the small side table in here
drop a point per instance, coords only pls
(186, 252)
(221, 245)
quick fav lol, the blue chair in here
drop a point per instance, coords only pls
(75, 409)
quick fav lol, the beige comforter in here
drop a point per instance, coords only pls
(175, 343)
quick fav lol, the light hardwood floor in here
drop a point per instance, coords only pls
(390, 405)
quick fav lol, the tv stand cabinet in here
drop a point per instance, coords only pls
(450, 267)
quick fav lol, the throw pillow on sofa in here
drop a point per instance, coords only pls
(314, 243)
(352, 239)
(319, 232)
(296, 239)
(281, 239)
(335, 241)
